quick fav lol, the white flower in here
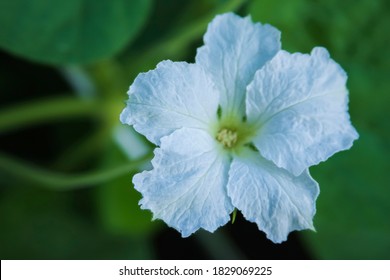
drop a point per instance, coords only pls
(239, 129)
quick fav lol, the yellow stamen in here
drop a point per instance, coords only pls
(227, 137)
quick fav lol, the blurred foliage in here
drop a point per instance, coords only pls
(118, 202)
(70, 193)
(38, 224)
(72, 31)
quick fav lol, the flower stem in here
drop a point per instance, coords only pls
(62, 182)
(83, 150)
(45, 111)
(174, 45)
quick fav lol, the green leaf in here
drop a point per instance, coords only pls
(72, 31)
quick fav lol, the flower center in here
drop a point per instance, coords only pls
(227, 137)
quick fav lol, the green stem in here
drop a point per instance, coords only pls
(61, 182)
(46, 111)
(80, 80)
(189, 33)
(173, 46)
(81, 151)
(109, 78)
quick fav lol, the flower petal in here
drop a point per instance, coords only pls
(300, 103)
(187, 187)
(235, 48)
(174, 95)
(273, 198)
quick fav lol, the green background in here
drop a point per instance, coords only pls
(66, 162)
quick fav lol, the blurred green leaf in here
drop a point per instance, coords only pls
(352, 219)
(73, 31)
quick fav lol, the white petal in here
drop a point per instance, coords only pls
(187, 187)
(235, 48)
(300, 103)
(273, 198)
(174, 95)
